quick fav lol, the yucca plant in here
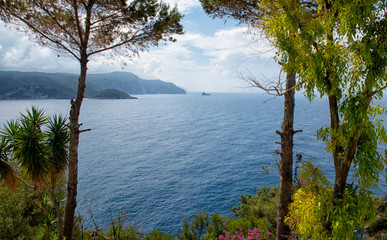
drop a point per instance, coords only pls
(30, 146)
(58, 138)
(38, 147)
(57, 141)
(7, 175)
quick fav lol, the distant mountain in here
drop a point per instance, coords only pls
(38, 85)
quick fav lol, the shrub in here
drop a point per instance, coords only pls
(253, 234)
(21, 217)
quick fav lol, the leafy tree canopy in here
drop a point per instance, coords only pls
(94, 25)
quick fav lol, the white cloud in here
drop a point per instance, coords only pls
(208, 63)
(229, 41)
(196, 62)
(18, 53)
(184, 6)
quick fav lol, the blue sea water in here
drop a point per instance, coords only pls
(161, 158)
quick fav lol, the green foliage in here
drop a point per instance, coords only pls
(58, 138)
(314, 202)
(82, 29)
(193, 230)
(21, 217)
(36, 145)
(158, 235)
(220, 224)
(247, 223)
(337, 49)
(35, 149)
(349, 68)
(24, 218)
(305, 219)
(259, 211)
(313, 179)
(385, 162)
(308, 211)
(7, 174)
(263, 205)
(119, 229)
(252, 234)
(367, 161)
(216, 226)
(28, 145)
(112, 94)
(116, 232)
(78, 231)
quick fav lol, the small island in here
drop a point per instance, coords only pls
(112, 94)
(205, 94)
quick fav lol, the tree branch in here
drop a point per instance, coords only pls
(371, 94)
(132, 39)
(24, 183)
(277, 88)
(58, 24)
(45, 36)
(78, 24)
(85, 130)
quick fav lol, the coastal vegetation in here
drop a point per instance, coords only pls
(112, 94)
(254, 218)
(335, 49)
(252, 14)
(34, 152)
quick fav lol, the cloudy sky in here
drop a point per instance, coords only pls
(208, 57)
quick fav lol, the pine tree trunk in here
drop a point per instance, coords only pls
(286, 165)
(72, 182)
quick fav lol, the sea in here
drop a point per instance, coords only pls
(161, 158)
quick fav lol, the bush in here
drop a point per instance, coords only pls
(21, 217)
(254, 212)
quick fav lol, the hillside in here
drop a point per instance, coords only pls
(38, 85)
(112, 94)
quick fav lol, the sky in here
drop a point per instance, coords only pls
(211, 55)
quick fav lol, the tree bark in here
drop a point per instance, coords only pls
(341, 169)
(286, 162)
(72, 182)
(341, 161)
